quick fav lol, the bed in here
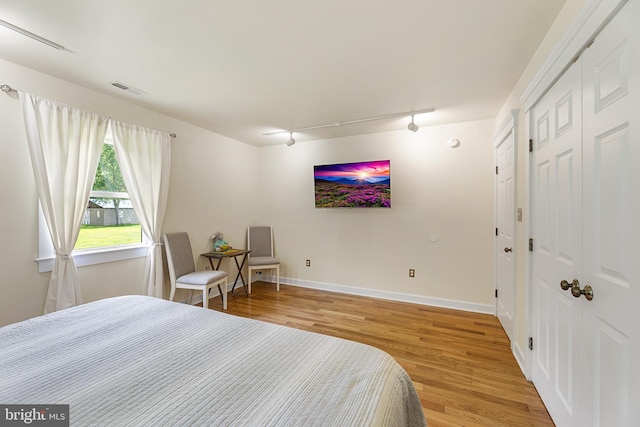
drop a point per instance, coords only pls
(138, 360)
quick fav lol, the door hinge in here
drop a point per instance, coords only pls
(531, 145)
(496, 231)
(496, 293)
(496, 170)
(530, 245)
(530, 343)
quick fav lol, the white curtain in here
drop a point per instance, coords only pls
(144, 156)
(65, 145)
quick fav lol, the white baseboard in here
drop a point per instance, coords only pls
(388, 295)
(365, 292)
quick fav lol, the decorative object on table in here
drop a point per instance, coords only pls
(219, 244)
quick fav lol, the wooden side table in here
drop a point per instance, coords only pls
(230, 253)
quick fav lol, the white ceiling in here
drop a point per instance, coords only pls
(242, 68)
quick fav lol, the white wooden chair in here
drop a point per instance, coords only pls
(183, 274)
(260, 243)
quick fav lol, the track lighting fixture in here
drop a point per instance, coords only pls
(412, 126)
(291, 141)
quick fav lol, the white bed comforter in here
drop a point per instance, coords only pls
(144, 361)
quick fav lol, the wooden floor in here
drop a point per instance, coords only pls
(460, 363)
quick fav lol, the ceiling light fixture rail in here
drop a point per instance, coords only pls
(351, 122)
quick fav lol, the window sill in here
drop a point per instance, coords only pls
(97, 256)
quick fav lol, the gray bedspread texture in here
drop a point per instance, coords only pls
(138, 360)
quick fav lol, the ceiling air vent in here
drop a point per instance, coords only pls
(128, 88)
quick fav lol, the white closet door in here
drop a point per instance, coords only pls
(556, 220)
(611, 218)
(505, 223)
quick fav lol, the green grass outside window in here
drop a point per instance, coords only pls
(98, 236)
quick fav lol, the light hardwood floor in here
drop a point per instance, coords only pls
(460, 362)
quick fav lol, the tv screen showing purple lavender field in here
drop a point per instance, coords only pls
(353, 185)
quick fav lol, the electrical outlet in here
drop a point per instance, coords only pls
(412, 272)
(308, 263)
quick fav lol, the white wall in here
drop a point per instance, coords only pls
(213, 188)
(213, 181)
(436, 190)
(22, 288)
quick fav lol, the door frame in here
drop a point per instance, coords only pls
(589, 22)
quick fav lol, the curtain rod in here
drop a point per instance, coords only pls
(9, 90)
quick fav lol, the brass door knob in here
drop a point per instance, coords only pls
(566, 285)
(587, 292)
(575, 289)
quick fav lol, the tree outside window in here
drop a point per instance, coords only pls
(109, 219)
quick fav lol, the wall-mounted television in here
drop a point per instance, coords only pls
(353, 185)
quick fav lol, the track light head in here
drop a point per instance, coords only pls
(412, 126)
(291, 141)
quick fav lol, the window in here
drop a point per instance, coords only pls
(109, 219)
(110, 229)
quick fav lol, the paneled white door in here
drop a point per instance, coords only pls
(586, 227)
(505, 224)
(611, 220)
(556, 128)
